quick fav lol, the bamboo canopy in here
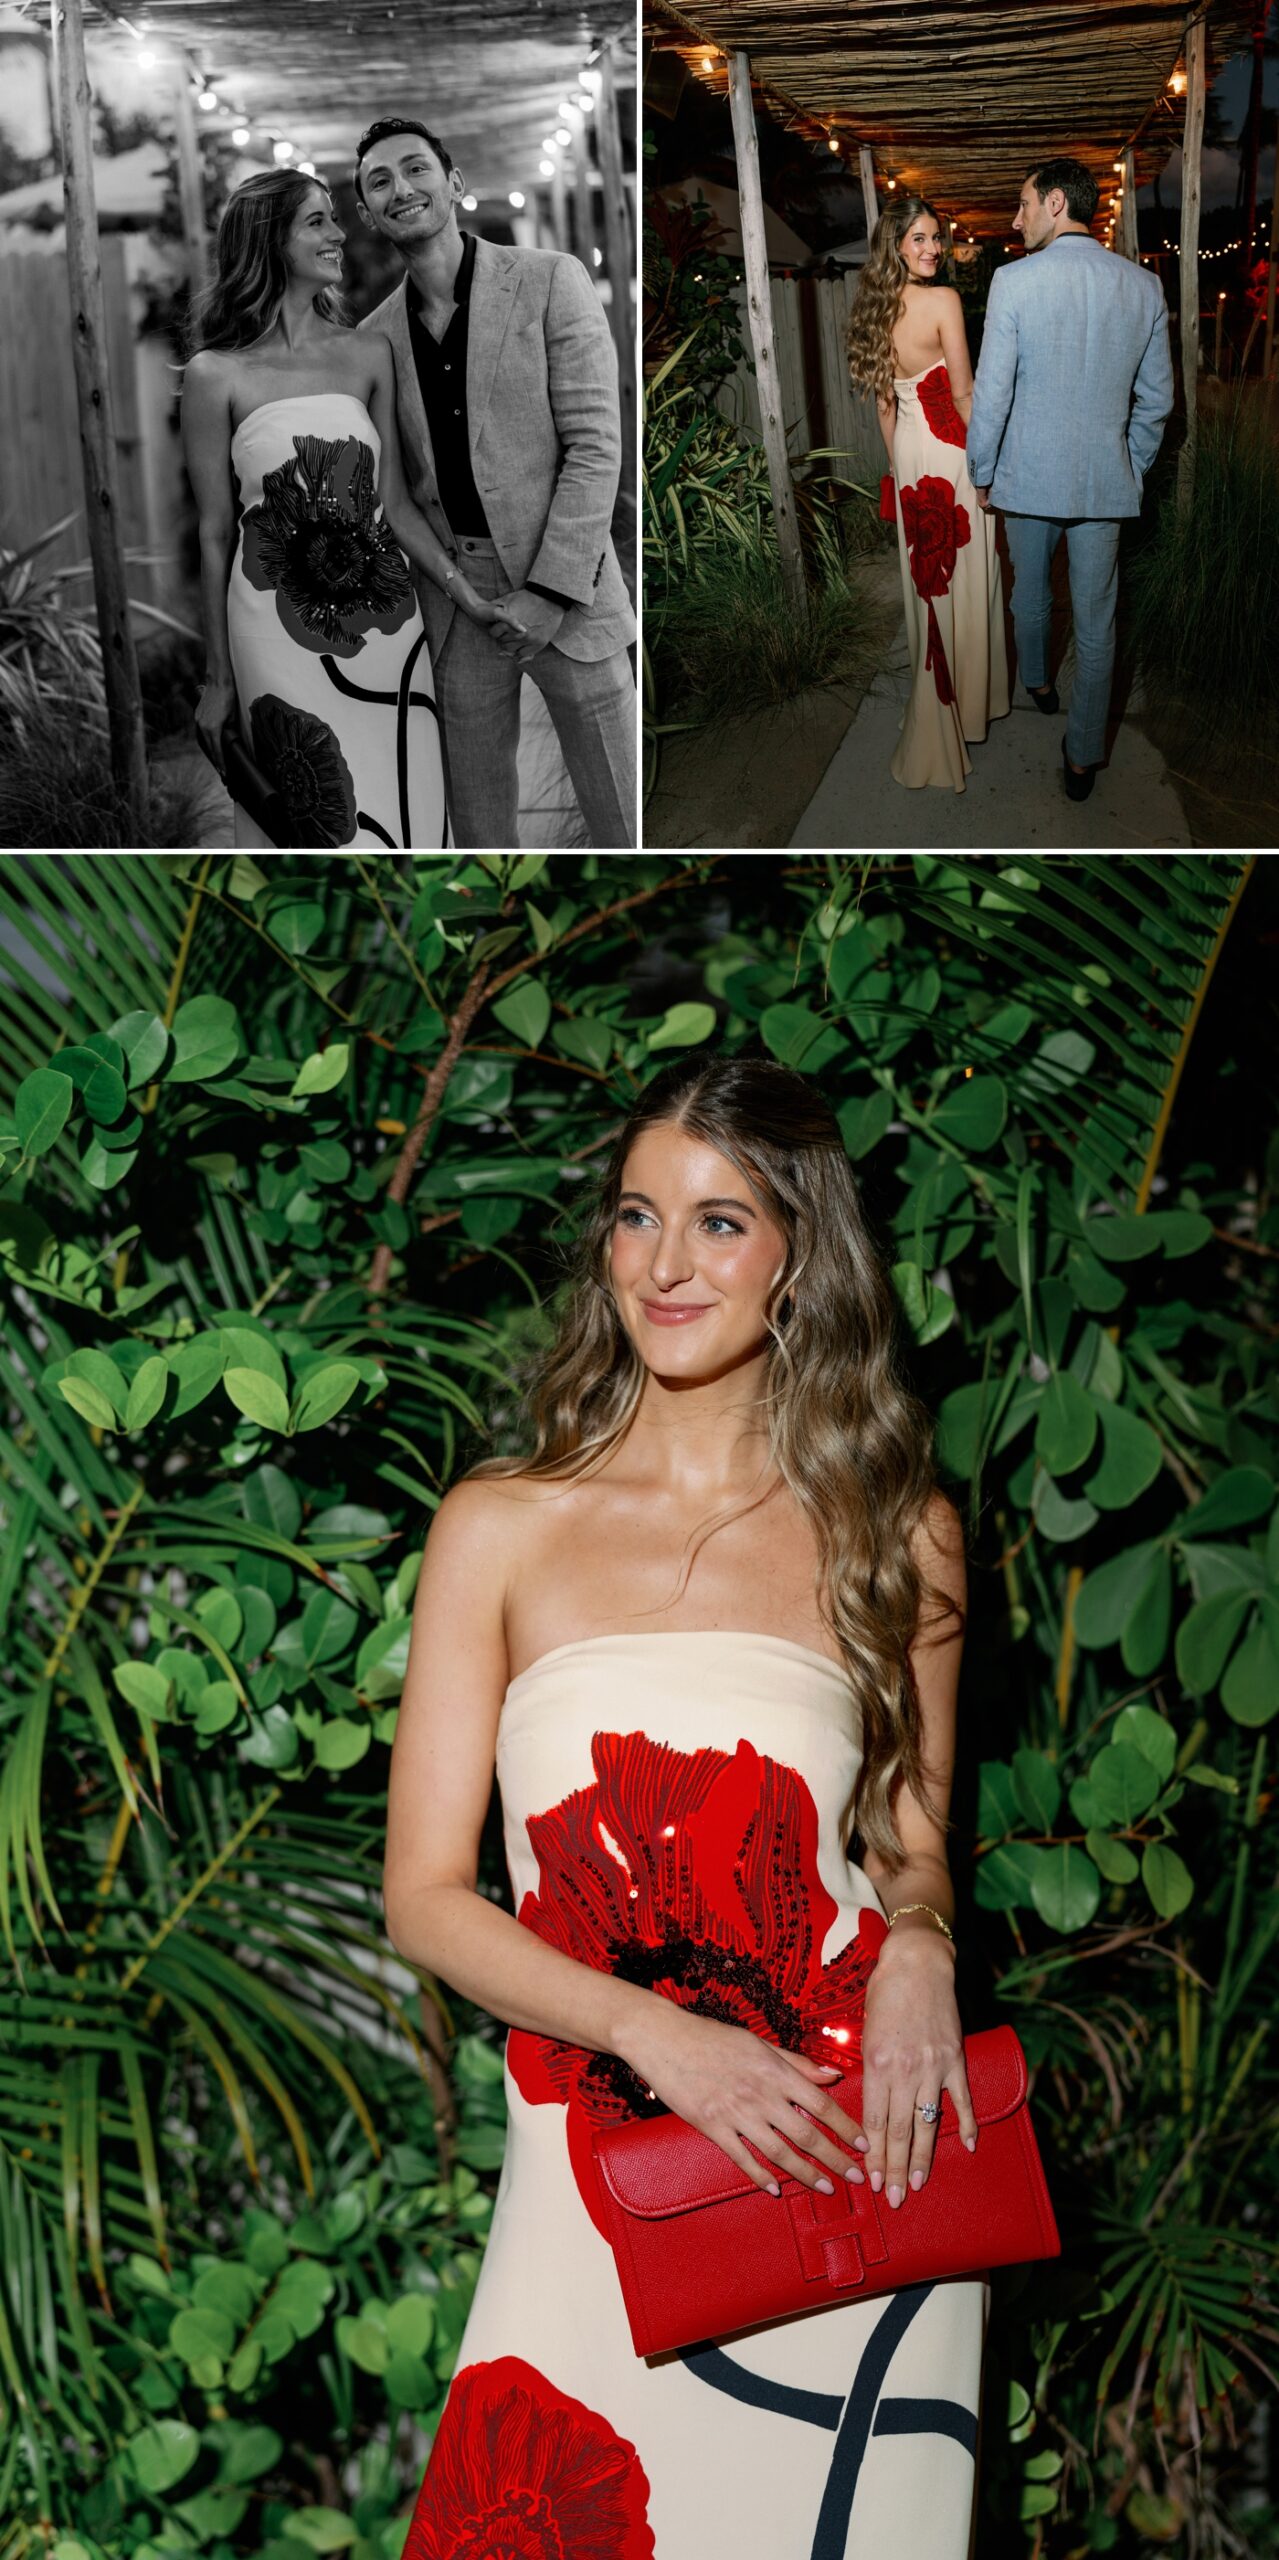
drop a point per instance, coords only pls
(489, 79)
(955, 101)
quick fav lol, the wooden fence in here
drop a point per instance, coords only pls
(819, 405)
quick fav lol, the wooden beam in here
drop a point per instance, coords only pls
(97, 450)
(760, 310)
(1127, 242)
(618, 261)
(866, 168)
(583, 220)
(190, 182)
(1191, 187)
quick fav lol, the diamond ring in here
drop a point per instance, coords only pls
(929, 2110)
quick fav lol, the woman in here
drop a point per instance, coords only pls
(317, 651)
(718, 1600)
(906, 345)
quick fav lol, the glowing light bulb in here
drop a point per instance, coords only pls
(598, 257)
(546, 168)
(707, 64)
(470, 204)
(282, 151)
(832, 143)
(240, 136)
(208, 100)
(563, 136)
(147, 60)
(307, 168)
(516, 199)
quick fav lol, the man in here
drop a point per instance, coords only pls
(508, 413)
(1073, 387)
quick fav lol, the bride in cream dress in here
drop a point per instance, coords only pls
(679, 1630)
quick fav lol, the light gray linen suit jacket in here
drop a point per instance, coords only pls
(542, 415)
(1074, 383)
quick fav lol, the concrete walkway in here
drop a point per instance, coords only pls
(1013, 796)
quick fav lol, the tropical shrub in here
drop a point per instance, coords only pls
(288, 1154)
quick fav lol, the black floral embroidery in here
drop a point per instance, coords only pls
(317, 539)
(304, 760)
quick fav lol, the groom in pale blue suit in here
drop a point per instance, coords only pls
(1073, 387)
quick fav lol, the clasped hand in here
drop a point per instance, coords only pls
(740, 2090)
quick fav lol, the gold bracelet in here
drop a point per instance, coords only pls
(943, 1925)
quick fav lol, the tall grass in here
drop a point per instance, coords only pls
(731, 641)
(1204, 591)
(57, 790)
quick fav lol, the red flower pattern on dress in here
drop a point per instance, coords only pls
(937, 402)
(518, 2471)
(694, 1874)
(936, 531)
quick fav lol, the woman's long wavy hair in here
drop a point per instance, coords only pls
(243, 300)
(878, 302)
(845, 1435)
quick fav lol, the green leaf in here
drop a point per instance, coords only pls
(525, 1010)
(1113, 1857)
(929, 1311)
(365, 2342)
(323, 1394)
(486, 1221)
(1066, 1888)
(590, 1042)
(962, 1419)
(340, 1743)
(1036, 1788)
(1067, 1425)
(1167, 1879)
(410, 2323)
(1122, 1783)
(246, 1349)
(683, 1026)
(863, 1123)
(194, 2334)
(1108, 1595)
(1122, 1238)
(162, 2454)
(206, 1039)
(1060, 1517)
(1004, 1879)
(997, 1807)
(320, 2528)
(799, 1037)
(296, 926)
(271, 1741)
(1147, 1627)
(1250, 1690)
(1241, 1494)
(145, 1688)
(97, 1077)
(1131, 1457)
(322, 1072)
(1150, 1734)
(147, 1392)
(88, 1402)
(1206, 1637)
(973, 1113)
(328, 1625)
(144, 1040)
(41, 1107)
(258, 1397)
(271, 1501)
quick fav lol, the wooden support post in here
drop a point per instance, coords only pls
(1272, 271)
(866, 168)
(618, 261)
(1191, 182)
(97, 451)
(559, 204)
(190, 183)
(760, 309)
(583, 224)
(1128, 247)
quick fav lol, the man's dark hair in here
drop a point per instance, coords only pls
(382, 132)
(1077, 184)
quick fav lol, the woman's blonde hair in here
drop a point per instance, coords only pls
(251, 274)
(845, 1434)
(877, 304)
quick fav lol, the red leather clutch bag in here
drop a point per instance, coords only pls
(702, 2251)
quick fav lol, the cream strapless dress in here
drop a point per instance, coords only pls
(672, 1809)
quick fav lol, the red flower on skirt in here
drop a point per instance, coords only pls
(518, 2471)
(694, 1874)
(936, 531)
(937, 402)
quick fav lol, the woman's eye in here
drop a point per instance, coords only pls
(728, 1226)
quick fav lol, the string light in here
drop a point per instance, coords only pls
(208, 100)
(241, 136)
(546, 168)
(707, 64)
(282, 151)
(516, 199)
(470, 204)
(832, 144)
(563, 136)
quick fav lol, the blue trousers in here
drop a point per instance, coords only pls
(1092, 544)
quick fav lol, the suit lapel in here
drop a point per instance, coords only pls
(415, 434)
(493, 288)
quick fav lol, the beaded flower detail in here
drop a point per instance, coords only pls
(521, 2471)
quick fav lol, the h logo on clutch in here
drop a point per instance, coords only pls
(837, 2237)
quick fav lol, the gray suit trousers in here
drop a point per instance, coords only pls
(591, 702)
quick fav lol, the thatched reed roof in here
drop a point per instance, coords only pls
(955, 101)
(488, 75)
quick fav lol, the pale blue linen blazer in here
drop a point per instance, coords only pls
(1074, 383)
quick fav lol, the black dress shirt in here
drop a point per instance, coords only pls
(441, 373)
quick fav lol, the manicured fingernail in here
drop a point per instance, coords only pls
(773, 2191)
(916, 2179)
(824, 2187)
(970, 2142)
(857, 2177)
(876, 2181)
(894, 2196)
(861, 2142)
(829, 2070)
